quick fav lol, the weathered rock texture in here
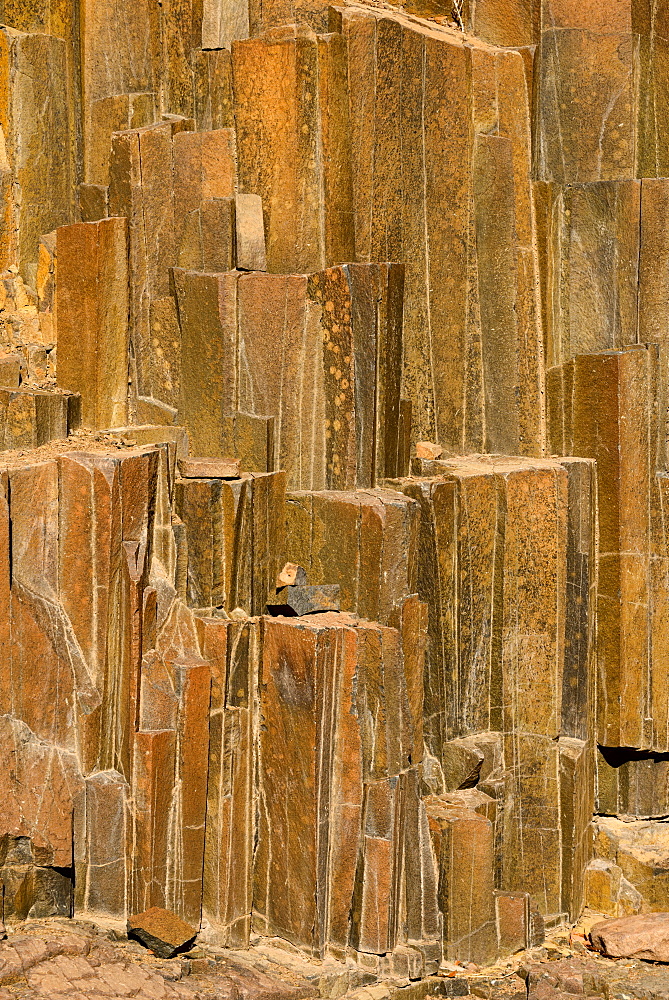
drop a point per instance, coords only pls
(251, 255)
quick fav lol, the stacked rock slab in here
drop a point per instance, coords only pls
(286, 242)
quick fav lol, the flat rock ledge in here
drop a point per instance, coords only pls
(77, 960)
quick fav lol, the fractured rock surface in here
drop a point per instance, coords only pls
(334, 563)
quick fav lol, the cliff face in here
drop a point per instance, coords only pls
(397, 280)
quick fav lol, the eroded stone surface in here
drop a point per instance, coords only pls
(397, 277)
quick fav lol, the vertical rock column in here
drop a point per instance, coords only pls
(92, 318)
(604, 406)
(440, 133)
(291, 117)
(337, 735)
(37, 159)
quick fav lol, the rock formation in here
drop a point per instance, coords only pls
(264, 662)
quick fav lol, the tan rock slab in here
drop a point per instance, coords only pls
(250, 437)
(209, 468)
(463, 845)
(426, 449)
(644, 936)
(289, 87)
(581, 141)
(161, 931)
(10, 371)
(207, 309)
(250, 232)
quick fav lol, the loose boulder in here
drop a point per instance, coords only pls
(644, 936)
(161, 930)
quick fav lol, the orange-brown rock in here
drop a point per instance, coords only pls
(480, 531)
(364, 541)
(586, 77)
(40, 785)
(592, 264)
(429, 95)
(340, 332)
(103, 845)
(608, 414)
(642, 936)
(161, 931)
(410, 264)
(233, 531)
(92, 324)
(33, 417)
(463, 846)
(302, 170)
(233, 651)
(37, 171)
(304, 677)
(250, 233)
(512, 915)
(209, 468)
(333, 389)
(153, 786)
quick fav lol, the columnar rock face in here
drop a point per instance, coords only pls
(37, 169)
(334, 387)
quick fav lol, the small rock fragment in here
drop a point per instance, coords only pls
(209, 468)
(305, 600)
(426, 449)
(161, 930)
(461, 764)
(644, 936)
(290, 575)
